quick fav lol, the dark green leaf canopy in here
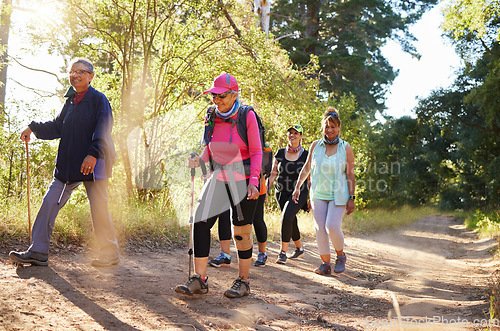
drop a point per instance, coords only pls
(347, 37)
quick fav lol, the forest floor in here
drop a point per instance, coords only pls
(435, 272)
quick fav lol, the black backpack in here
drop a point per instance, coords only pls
(241, 125)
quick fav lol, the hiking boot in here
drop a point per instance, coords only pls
(30, 257)
(221, 261)
(281, 258)
(324, 269)
(298, 252)
(340, 264)
(195, 285)
(261, 260)
(239, 289)
(105, 261)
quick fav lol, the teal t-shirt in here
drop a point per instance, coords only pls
(326, 179)
(328, 174)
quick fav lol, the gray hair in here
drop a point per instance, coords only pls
(86, 62)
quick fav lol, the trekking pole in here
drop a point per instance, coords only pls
(28, 188)
(191, 221)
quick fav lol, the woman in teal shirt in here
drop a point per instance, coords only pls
(331, 165)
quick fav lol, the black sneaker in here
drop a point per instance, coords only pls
(195, 285)
(221, 261)
(30, 257)
(261, 260)
(239, 289)
(281, 258)
(298, 252)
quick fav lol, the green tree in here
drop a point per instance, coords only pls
(450, 153)
(476, 17)
(155, 58)
(347, 37)
(403, 164)
(469, 109)
(471, 154)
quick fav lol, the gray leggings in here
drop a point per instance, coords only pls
(328, 218)
(56, 197)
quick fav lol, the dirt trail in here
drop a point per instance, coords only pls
(435, 269)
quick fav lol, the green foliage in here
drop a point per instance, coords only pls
(468, 150)
(13, 167)
(347, 37)
(449, 154)
(463, 17)
(155, 58)
(484, 222)
(404, 168)
(474, 26)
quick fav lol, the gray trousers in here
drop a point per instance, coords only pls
(56, 197)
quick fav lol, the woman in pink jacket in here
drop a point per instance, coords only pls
(233, 184)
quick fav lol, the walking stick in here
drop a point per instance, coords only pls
(191, 221)
(191, 217)
(28, 188)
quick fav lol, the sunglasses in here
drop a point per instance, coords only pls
(222, 95)
(332, 114)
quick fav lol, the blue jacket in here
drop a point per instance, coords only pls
(84, 129)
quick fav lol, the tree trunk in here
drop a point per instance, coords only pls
(4, 41)
(126, 126)
(262, 8)
(310, 19)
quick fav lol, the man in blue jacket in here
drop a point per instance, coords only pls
(86, 154)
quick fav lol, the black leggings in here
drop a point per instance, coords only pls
(289, 210)
(217, 203)
(259, 225)
(224, 225)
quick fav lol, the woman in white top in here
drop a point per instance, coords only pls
(331, 165)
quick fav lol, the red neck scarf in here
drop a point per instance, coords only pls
(79, 96)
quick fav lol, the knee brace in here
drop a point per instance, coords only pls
(243, 237)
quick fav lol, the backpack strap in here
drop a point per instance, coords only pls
(242, 120)
(209, 126)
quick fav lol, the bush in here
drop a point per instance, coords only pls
(486, 223)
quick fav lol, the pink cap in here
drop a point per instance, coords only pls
(222, 84)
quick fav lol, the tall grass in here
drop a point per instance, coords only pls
(148, 223)
(359, 223)
(13, 220)
(375, 220)
(155, 223)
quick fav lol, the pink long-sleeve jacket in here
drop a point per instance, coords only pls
(226, 147)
